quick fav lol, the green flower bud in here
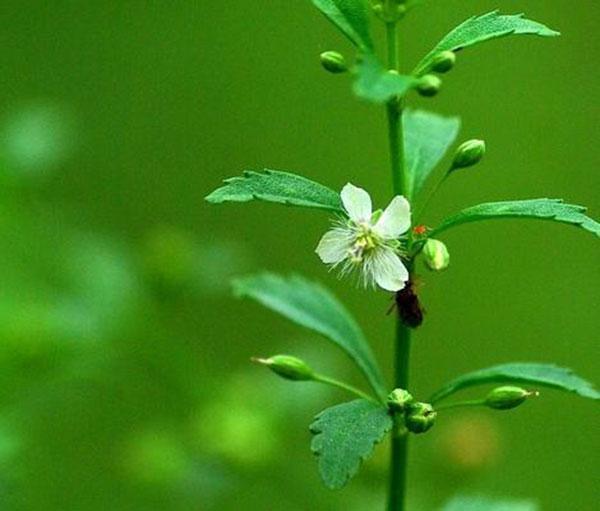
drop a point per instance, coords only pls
(399, 399)
(436, 255)
(505, 398)
(288, 367)
(429, 85)
(420, 417)
(468, 154)
(443, 62)
(333, 62)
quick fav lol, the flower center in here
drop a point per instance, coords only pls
(365, 241)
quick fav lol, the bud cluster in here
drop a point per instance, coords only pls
(430, 84)
(389, 11)
(418, 417)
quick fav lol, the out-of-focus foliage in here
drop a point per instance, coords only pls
(124, 360)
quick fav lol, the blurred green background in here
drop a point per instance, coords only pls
(124, 359)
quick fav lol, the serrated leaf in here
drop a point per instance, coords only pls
(345, 436)
(375, 83)
(484, 28)
(427, 137)
(478, 503)
(543, 209)
(545, 375)
(351, 17)
(310, 305)
(279, 187)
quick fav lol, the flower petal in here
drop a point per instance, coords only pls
(395, 220)
(334, 245)
(388, 270)
(357, 203)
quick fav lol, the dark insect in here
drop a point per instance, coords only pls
(408, 306)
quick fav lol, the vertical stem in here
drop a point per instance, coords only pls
(394, 114)
(399, 450)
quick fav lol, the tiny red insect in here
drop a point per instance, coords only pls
(419, 230)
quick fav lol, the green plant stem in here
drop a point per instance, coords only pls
(399, 448)
(430, 195)
(461, 404)
(399, 451)
(341, 385)
(394, 115)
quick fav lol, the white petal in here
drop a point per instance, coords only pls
(357, 203)
(395, 220)
(388, 270)
(334, 245)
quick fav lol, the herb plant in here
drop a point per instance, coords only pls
(380, 247)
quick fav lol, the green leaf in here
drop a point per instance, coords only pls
(427, 137)
(312, 306)
(484, 28)
(375, 83)
(345, 435)
(279, 187)
(477, 503)
(545, 375)
(543, 209)
(351, 17)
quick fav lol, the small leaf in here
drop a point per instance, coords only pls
(427, 137)
(545, 375)
(279, 187)
(345, 435)
(351, 17)
(544, 209)
(312, 306)
(375, 83)
(477, 503)
(484, 28)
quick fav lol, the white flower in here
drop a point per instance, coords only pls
(368, 241)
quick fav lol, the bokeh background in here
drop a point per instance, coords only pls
(124, 359)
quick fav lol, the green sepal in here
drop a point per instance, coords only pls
(542, 209)
(483, 28)
(312, 306)
(279, 187)
(545, 375)
(344, 436)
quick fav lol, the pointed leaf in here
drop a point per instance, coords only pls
(312, 306)
(543, 209)
(375, 83)
(483, 28)
(279, 187)
(545, 375)
(345, 435)
(351, 17)
(478, 503)
(427, 137)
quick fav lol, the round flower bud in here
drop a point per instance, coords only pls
(443, 62)
(288, 367)
(420, 417)
(399, 399)
(333, 62)
(429, 85)
(468, 154)
(436, 255)
(505, 398)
